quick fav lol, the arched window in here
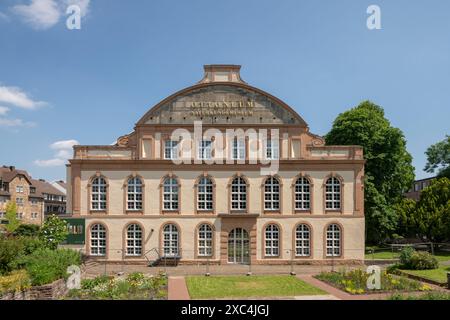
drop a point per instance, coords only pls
(302, 193)
(205, 194)
(302, 241)
(98, 240)
(333, 241)
(170, 194)
(134, 240)
(272, 241)
(333, 194)
(272, 194)
(170, 240)
(238, 194)
(134, 194)
(98, 194)
(205, 240)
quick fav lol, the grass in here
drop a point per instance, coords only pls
(201, 287)
(439, 275)
(388, 254)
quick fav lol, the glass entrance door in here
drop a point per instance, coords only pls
(238, 246)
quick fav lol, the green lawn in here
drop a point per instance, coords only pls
(201, 287)
(388, 254)
(439, 275)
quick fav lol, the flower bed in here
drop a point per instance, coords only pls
(355, 282)
(135, 286)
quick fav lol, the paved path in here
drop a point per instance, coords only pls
(177, 289)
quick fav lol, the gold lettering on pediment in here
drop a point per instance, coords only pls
(242, 108)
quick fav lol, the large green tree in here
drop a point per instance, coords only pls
(11, 217)
(389, 172)
(438, 156)
(432, 215)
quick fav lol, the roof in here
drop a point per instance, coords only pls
(43, 186)
(7, 174)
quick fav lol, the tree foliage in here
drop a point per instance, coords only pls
(11, 217)
(388, 169)
(53, 232)
(438, 156)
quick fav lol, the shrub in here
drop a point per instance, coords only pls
(405, 256)
(423, 261)
(45, 265)
(10, 249)
(53, 232)
(18, 280)
(27, 230)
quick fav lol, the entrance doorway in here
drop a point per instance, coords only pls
(238, 246)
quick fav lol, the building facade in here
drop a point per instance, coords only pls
(34, 198)
(417, 187)
(220, 172)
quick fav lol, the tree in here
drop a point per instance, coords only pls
(27, 230)
(406, 210)
(389, 172)
(53, 232)
(11, 217)
(432, 214)
(438, 156)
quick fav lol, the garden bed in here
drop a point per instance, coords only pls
(355, 282)
(135, 286)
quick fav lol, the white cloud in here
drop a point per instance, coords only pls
(63, 152)
(40, 14)
(44, 14)
(3, 17)
(4, 122)
(15, 96)
(3, 110)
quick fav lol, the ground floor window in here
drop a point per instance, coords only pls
(333, 241)
(134, 240)
(205, 241)
(302, 241)
(98, 240)
(272, 241)
(170, 240)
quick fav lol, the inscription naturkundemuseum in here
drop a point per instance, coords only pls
(222, 108)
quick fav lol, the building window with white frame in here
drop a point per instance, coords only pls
(134, 241)
(134, 194)
(238, 194)
(333, 241)
(171, 149)
(98, 240)
(272, 149)
(19, 215)
(19, 189)
(333, 194)
(170, 194)
(272, 241)
(170, 240)
(205, 194)
(238, 149)
(205, 241)
(34, 215)
(272, 194)
(302, 241)
(205, 150)
(302, 193)
(19, 202)
(98, 194)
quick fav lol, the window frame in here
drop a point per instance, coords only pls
(98, 239)
(204, 149)
(172, 250)
(271, 192)
(272, 244)
(239, 193)
(171, 194)
(299, 190)
(171, 149)
(330, 240)
(205, 194)
(98, 193)
(299, 242)
(205, 235)
(335, 196)
(135, 186)
(133, 242)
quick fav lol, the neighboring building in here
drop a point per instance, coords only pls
(135, 198)
(33, 198)
(417, 187)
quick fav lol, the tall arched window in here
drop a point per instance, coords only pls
(205, 194)
(302, 241)
(170, 240)
(302, 193)
(333, 241)
(170, 194)
(98, 194)
(238, 194)
(205, 240)
(272, 194)
(134, 194)
(134, 240)
(272, 241)
(333, 194)
(98, 240)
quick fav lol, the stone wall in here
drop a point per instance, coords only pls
(52, 291)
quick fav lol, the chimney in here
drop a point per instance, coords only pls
(222, 73)
(12, 168)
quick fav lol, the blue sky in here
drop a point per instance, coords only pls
(92, 85)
